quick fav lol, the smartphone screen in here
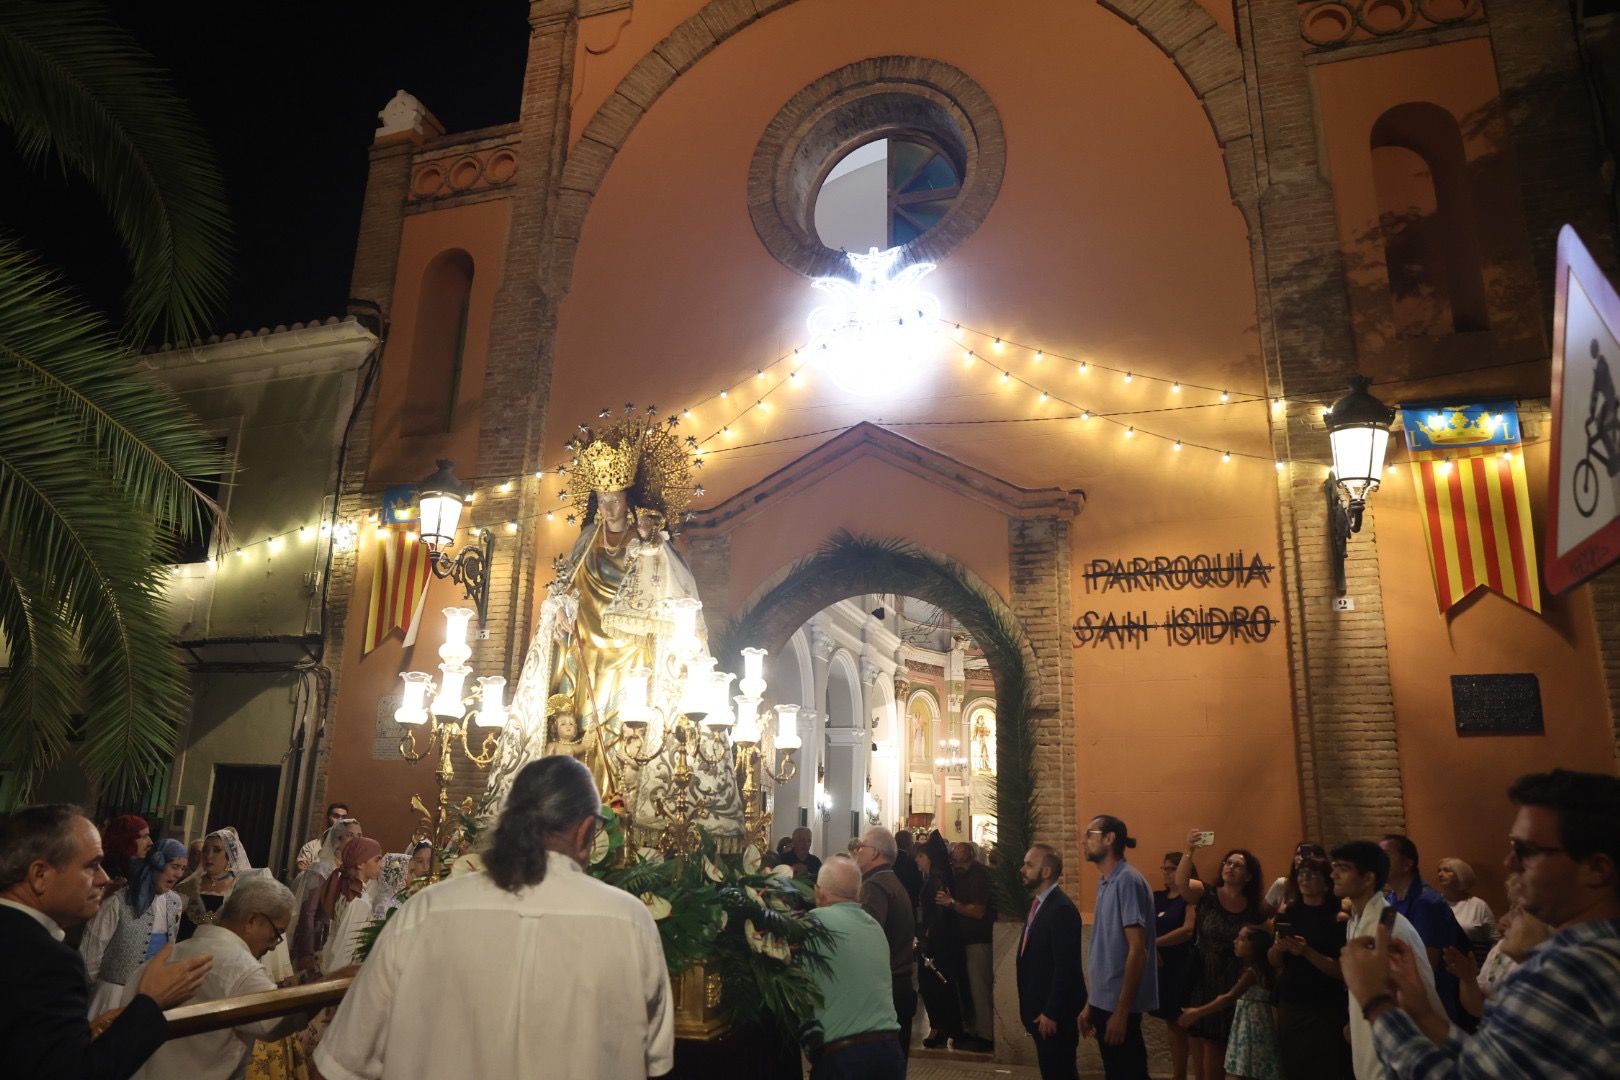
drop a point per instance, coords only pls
(1386, 918)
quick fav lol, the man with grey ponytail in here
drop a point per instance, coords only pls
(539, 969)
(252, 921)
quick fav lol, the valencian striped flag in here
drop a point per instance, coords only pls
(399, 582)
(1468, 468)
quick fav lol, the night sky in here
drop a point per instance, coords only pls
(288, 94)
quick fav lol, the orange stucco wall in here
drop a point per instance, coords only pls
(611, 44)
(479, 230)
(1113, 238)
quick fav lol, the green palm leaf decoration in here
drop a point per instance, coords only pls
(98, 461)
(80, 95)
(868, 564)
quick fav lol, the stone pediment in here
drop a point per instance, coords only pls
(865, 442)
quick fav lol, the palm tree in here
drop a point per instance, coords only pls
(98, 461)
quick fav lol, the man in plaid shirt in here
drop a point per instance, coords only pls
(1558, 1014)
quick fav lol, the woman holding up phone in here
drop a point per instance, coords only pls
(1310, 995)
(1223, 910)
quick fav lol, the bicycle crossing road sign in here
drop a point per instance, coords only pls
(1583, 493)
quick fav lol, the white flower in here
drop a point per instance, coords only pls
(724, 919)
(753, 894)
(657, 906)
(751, 859)
(712, 872)
(650, 854)
(470, 863)
(768, 944)
(600, 846)
(783, 871)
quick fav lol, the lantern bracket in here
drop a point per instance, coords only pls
(1343, 523)
(468, 568)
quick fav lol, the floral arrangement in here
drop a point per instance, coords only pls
(744, 922)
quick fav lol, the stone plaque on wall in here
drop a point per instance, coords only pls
(1496, 704)
(385, 743)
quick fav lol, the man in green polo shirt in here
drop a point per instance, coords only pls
(852, 1036)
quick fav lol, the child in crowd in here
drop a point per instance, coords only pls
(1251, 1051)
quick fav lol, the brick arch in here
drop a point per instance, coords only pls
(1206, 56)
(849, 565)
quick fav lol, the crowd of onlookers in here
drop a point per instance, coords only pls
(1350, 964)
(160, 907)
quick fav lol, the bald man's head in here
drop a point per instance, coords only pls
(839, 882)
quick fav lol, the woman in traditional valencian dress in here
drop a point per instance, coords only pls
(134, 925)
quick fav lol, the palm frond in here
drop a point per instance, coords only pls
(62, 364)
(902, 567)
(40, 680)
(64, 525)
(79, 93)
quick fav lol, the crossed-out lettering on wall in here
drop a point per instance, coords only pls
(1234, 625)
(1211, 571)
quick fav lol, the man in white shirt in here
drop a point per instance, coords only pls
(251, 922)
(532, 968)
(311, 851)
(1360, 870)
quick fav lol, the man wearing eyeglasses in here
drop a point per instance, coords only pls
(1559, 1015)
(252, 921)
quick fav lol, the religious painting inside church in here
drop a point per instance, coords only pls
(920, 716)
(981, 727)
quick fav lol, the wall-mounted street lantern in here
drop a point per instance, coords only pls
(1358, 429)
(440, 499)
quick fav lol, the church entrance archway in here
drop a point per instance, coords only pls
(850, 660)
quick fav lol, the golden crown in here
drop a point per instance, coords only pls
(1454, 427)
(606, 467)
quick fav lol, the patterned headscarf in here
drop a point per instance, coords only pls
(346, 880)
(144, 873)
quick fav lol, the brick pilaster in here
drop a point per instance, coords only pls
(523, 326)
(1039, 567)
(1556, 146)
(1349, 760)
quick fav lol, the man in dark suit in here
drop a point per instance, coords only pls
(51, 877)
(1051, 990)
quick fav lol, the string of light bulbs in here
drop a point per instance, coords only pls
(799, 359)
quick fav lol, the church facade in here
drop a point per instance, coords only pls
(1165, 234)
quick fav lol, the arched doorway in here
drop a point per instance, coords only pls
(850, 566)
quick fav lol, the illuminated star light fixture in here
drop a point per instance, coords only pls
(1358, 430)
(876, 334)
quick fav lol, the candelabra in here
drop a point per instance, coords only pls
(453, 714)
(703, 729)
(953, 760)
